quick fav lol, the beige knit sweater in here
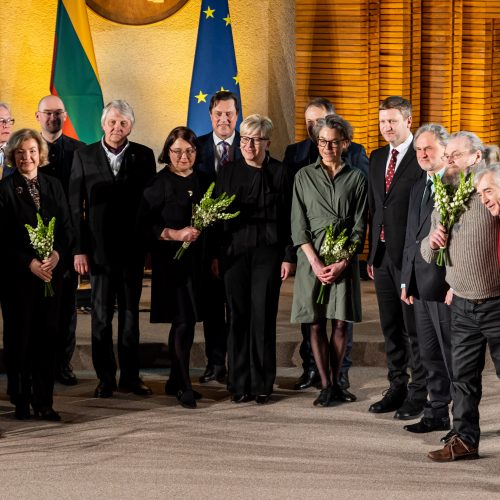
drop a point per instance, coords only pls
(473, 271)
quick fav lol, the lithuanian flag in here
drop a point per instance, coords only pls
(74, 72)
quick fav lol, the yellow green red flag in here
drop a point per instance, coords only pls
(74, 72)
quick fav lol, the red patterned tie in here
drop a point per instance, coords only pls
(388, 179)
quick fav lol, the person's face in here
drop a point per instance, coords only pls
(51, 115)
(182, 156)
(117, 128)
(312, 115)
(224, 117)
(429, 153)
(253, 147)
(458, 157)
(27, 158)
(489, 192)
(331, 145)
(5, 125)
(394, 128)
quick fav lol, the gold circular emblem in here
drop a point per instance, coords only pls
(135, 11)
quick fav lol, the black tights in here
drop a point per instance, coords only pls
(180, 341)
(328, 355)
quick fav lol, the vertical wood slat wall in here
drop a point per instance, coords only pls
(443, 55)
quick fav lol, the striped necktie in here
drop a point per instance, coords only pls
(224, 157)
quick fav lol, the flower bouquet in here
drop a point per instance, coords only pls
(42, 241)
(451, 203)
(208, 211)
(334, 250)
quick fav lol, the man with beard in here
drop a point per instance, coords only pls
(51, 115)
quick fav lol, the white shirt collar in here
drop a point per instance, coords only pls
(218, 140)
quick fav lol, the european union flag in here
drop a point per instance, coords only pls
(214, 63)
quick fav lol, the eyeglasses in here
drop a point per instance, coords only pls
(7, 122)
(179, 152)
(244, 140)
(55, 114)
(454, 156)
(335, 143)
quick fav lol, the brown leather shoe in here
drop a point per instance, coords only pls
(455, 449)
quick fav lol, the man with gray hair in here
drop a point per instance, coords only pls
(6, 123)
(487, 181)
(105, 189)
(472, 273)
(424, 285)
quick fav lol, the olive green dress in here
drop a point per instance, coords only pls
(319, 201)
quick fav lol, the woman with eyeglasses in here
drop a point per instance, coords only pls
(165, 217)
(327, 192)
(255, 255)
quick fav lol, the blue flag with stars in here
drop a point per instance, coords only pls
(214, 63)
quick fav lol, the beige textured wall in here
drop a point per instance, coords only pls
(151, 66)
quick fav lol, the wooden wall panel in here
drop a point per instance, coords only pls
(442, 55)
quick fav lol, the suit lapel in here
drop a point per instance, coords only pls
(400, 170)
(22, 190)
(101, 163)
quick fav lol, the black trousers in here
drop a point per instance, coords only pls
(121, 285)
(433, 321)
(472, 327)
(214, 323)
(398, 326)
(30, 329)
(66, 332)
(253, 282)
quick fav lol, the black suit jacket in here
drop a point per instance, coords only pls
(305, 153)
(390, 209)
(61, 159)
(424, 281)
(104, 208)
(206, 159)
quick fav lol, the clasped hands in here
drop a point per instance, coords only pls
(328, 274)
(43, 268)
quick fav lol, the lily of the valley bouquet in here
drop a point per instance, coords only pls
(334, 249)
(207, 212)
(451, 203)
(42, 241)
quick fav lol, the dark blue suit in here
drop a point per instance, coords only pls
(299, 155)
(426, 283)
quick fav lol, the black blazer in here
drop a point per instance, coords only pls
(206, 159)
(305, 152)
(61, 167)
(390, 209)
(424, 281)
(17, 208)
(104, 208)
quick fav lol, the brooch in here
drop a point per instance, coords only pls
(19, 190)
(190, 193)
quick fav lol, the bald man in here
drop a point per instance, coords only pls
(51, 115)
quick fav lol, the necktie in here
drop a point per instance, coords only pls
(388, 179)
(391, 169)
(224, 157)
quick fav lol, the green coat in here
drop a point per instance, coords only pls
(319, 201)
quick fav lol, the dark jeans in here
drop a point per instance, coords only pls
(472, 326)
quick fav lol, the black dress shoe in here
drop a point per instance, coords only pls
(22, 411)
(186, 399)
(410, 409)
(344, 395)
(47, 414)
(241, 398)
(306, 380)
(66, 376)
(103, 390)
(392, 400)
(324, 398)
(262, 399)
(429, 425)
(344, 380)
(448, 436)
(171, 390)
(138, 387)
(214, 372)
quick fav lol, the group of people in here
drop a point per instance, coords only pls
(307, 215)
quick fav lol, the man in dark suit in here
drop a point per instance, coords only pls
(106, 185)
(218, 148)
(393, 171)
(299, 155)
(51, 115)
(424, 285)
